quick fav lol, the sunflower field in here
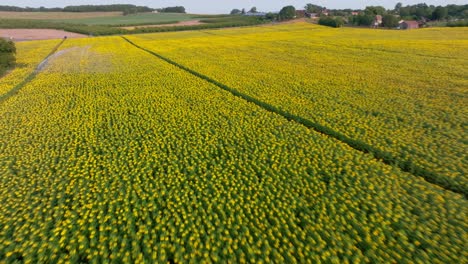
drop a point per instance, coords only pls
(112, 155)
(404, 93)
(29, 55)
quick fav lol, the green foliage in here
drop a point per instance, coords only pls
(331, 21)
(287, 13)
(457, 11)
(7, 55)
(209, 24)
(236, 12)
(311, 8)
(363, 20)
(173, 9)
(440, 13)
(103, 30)
(107, 8)
(28, 9)
(375, 10)
(460, 23)
(422, 10)
(95, 30)
(390, 21)
(271, 16)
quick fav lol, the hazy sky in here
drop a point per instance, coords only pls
(225, 6)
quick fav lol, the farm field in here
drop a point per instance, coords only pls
(22, 34)
(137, 19)
(113, 154)
(57, 15)
(403, 93)
(30, 54)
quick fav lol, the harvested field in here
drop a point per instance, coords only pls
(56, 15)
(182, 23)
(37, 34)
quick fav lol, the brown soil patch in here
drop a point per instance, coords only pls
(56, 15)
(182, 23)
(37, 34)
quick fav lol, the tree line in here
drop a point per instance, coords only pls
(366, 17)
(174, 9)
(125, 8)
(79, 8)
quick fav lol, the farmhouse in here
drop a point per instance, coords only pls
(377, 21)
(409, 24)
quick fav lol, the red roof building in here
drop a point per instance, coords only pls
(409, 24)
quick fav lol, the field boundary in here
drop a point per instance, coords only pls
(30, 77)
(387, 158)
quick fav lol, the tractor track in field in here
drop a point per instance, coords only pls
(385, 157)
(30, 76)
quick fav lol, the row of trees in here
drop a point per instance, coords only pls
(7, 55)
(29, 9)
(80, 8)
(429, 11)
(107, 8)
(331, 21)
(172, 9)
(126, 9)
(236, 11)
(417, 11)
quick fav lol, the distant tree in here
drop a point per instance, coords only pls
(243, 11)
(106, 8)
(398, 6)
(236, 12)
(375, 10)
(331, 21)
(287, 12)
(404, 12)
(311, 8)
(271, 16)
(363, 20)
(440, 13)
(7, 55)
(174, 9)
(390, 21)
(253, 10)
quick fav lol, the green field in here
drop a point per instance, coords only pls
(137, 19)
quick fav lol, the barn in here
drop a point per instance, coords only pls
(409, 24)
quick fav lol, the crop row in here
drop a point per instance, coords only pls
(111, 155)
(403, 97)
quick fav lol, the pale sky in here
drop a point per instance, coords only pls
(225, 6)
